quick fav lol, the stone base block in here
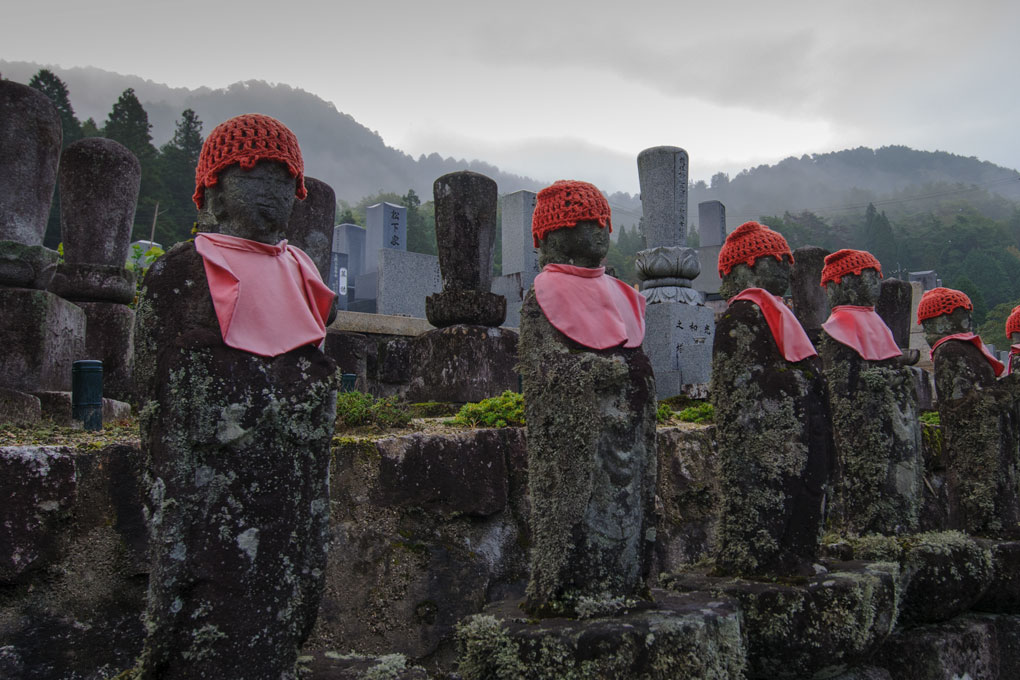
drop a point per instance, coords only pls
(685, 636)
(337, 666)
(41, 335)
(462, 363)
(19, 408)
(1003, 594)
(57, 407)
(473, 307)
(37, 486)
(24, 266)
(832, 622)
(109, 337)
(94, 282)
(678, 342)
(349, 351)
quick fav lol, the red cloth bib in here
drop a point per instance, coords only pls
(1014, 350)
(861, 329)
(268, 299)
(589, 307)
(976, 341)
(789, 335)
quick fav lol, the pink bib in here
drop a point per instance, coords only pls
(789, 335)
(976, 341)
(268, 299)
(861, 329)
(589, 307)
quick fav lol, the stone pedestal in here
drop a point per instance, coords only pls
(453, 307)
(676, 636)
(678, 342)
(42, 335)
(24, 266)
(94, 283)
(462, 363)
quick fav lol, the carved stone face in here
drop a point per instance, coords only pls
(862, 291)
(253, 204)
(767, 272)
(583, 245)
(958, 321)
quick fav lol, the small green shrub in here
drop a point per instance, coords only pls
(930, 418)
(506, 410)
(357, 408)
(703, 412)
(664, 413)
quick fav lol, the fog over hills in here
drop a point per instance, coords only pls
(356, 162)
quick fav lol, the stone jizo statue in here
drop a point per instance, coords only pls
(878, 474)
(238, 406)
(771, 412)
(978, 419)
(589, 395)
(1013, 333)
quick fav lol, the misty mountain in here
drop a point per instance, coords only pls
(356, 162)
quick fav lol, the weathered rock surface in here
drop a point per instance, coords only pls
(831, 623)
(592, 466)
(332, 665)
(775, 447)
(56, 406)
(94, 283)
(674, 636)
(462, 363)
(894, 306)
(23, 266)
(99, 181)
(453, 307)
(810, 302)
(110, 337)
(311, 224)
(30, 136)
(879, 469)
(42, 335)
(19, 408)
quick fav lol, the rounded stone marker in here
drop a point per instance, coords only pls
(465, 229)
(30, 137)
(99, 180)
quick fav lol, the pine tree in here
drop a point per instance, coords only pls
(128, 123)
(178, 159)
(53, 87)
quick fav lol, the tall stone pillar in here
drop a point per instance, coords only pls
(678, 340)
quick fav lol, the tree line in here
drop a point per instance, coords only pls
(165, 210)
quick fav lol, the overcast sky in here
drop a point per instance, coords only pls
(576, 89)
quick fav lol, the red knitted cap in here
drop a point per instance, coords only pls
(1013, 323)
(846, 261)
(747, 243)
(564, 204)
(245, 140)
(939, 301)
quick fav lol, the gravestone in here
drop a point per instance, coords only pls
(349, 241)
(311, 224)
(711, 223)
(386, 228)
(42, 334)
(520, 257)
(339, 277)
(810, 303)
(679, 328)
(99, 181)
(405, 280)
(928, 278)
(468, 357)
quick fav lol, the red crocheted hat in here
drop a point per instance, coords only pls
(1013, 323)
(747, 243)
(245, 140)
(846, 261)
(939, 301)
(564, 204)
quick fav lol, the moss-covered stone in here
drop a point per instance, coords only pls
(878, 475)
(775, 447)
(237, 456)
(817, 628)
(591, 462)
(688, 636)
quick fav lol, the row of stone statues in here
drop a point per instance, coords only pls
(794, 421)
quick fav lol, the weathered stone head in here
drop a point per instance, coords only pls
(249, 173)
(942, 312)
(754, 256)
(852, 277)
(571, 224)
